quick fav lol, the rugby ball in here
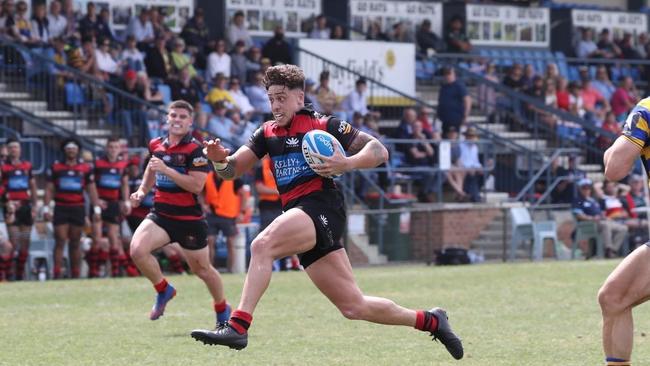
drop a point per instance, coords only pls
(319, 142)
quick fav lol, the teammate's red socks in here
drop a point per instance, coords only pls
(161, 286)
(221, 306)
(426, 321)
(20, 265)
(240, 321)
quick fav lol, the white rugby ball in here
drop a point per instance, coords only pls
(319, 142)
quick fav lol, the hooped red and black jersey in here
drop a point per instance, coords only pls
(108, 177)
(147, 202)
(15, 180)
(170, 200)
(293, 176)
(70, 182)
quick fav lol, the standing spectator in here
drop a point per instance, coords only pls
(239, 62)
(427, 41)
(104, 26)
(158, 61)
(356, 101)
(259, 99)
(131, 56)
(400, 33)
(602, 83)
(180, 60)
(624, 98)
(608, 49)
(456, 39)
(41, 25)
(89, 24)
(375, 33)
(131, 114)
(141, 28)
(320, 29)
(195, 33)
(242, 103)
(185, 88)
(325, 95)
(218, 61)
(21, 199)
(454, 103)
(237, 30)
(66, 182)
(586, 47)
(277, 49)
(219, 92)
(337, 32)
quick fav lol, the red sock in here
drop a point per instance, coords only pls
(56, 272)
(161, 286)
(240, 321)
(220, 307)
(426, 321)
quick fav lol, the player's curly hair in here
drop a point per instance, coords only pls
(290, 76)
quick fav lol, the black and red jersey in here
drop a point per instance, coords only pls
(293, 175)
(69, 181)
(15, 180)
(147, 202)
(170, 200)
(108, 177)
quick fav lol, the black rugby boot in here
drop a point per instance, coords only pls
(224, 335)
(445, 335)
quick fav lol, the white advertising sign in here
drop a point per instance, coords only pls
(387, 13)
(262, 16)
(617, 22)
(389, 63)
(493, 25)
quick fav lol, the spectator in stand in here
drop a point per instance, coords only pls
(634, 200)
(22, 25)
(141, 28)
(277, 49)
(514, 79)
(608, 49)
(487, 97)
(528, 76)
(456, 176)
(310, 94)
(456, 39)
(131, 56)
(586, 208)
(84, 59)
(237, 30)
(158, 61)
(253, 63)
(566, 191)
(89, 24)
(594, 103)
(195, 33)
(586, 47)
(454, 103)
(41, 25)
(7, 20)
(104, 27)
(356, 101)
(552, 72)
(71, 17)
(259, 99)
(218, 61)
(624, 98)
(400, 33)
(160, 28)
(371, 127)
(181, 61)
(536, 91)
(239, 62)
(220, 125)
(628, 50)
(562, 95)
(320, 29)
(108, 67)
(550, 100)
(469, 159)
(338, 32)
(610, 124)
(219, 92)
(375, 33)
(242, 103)
(185, 88)
(421, 154)
(424, 113)
(325, 95)
(642, 42)
(427, 41)
(576, 104)
(602, 83)
(405, 128)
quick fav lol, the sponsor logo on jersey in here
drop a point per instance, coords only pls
(344, 128)
(292, 141)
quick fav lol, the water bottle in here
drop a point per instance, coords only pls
(42, 273)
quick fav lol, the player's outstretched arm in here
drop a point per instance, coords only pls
(619, 158)
(229, 167)
(366, 152)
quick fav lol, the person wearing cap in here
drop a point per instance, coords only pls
(237, 30)
(66, 182)
(471, 163)
(629, 284)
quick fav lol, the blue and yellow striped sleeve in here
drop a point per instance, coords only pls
(636, 127)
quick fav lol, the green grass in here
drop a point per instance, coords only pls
(514, 314)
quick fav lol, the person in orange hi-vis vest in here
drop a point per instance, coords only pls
(225, 205)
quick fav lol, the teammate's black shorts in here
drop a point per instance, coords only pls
(222, 224)
(327, 211)
(190, 235)
(73, 215)
(23, 215)
(111, 214)
(134, 222)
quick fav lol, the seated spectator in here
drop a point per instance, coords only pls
(552, 72)
(562, 95)
(89, 24)
(609, 124)
(158, 22)
(566, 191)
(243, 128)
(242, 103)
(185, 88)
(219, 92)
(84, 59)
(107, 65)
(400, 33)
(454, 103)
(180, 60)
(218, 61)
(375, 33)
(56, 21)
(427, 41)
(310, 94)
(158, 61)
(470, 161)
(487, 96)
(22, 26)
(195, 33)
(586, 208)
(320, 29)
(634, 202)
(71, 17)
(455, 175)
(253, 63)
(424, 113)
(237, 30)
(624, 98)
(528, 76)
(41, 25)
(7, 21)
(141, 28)
(594, 103)
(608, 49)
(371, 127)
(259, 99)
(221, 126)
(550, 100)
(628, 50)
(325, 95)
(131, 56)
(576, 104)
(277, 49)
(338, 32)
(586, 47)
(514, 79)
(642, 42)
(602, 83)
(104, 26)
(456, 39)
(609, 201)
(239, 62)
(356, 101)
(421, 154)
(405, 129)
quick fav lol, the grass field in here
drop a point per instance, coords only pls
(514, 314)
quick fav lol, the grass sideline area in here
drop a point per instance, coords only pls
(507, 314)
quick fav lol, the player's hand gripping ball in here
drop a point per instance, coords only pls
(317, 143)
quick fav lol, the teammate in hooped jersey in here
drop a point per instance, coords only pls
(314, 215)
(20, 208)
(178, 170)
(66, 182)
